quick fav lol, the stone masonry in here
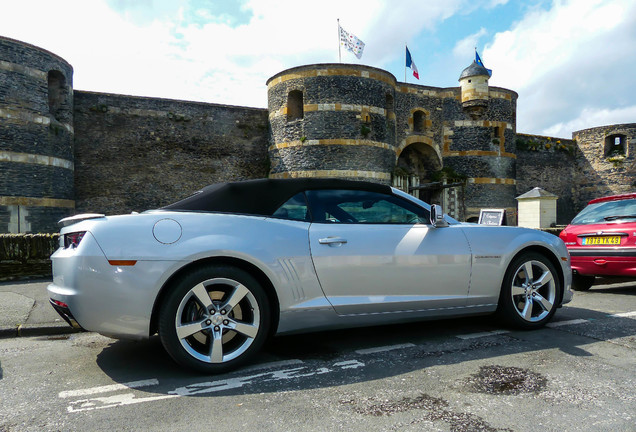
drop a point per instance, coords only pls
(65, 152)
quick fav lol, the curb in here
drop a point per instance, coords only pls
(28, 330)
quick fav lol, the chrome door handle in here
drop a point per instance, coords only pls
(332, 240)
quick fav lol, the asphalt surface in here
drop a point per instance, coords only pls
(25, 311)
(460, 375)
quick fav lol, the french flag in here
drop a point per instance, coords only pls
(411, 64)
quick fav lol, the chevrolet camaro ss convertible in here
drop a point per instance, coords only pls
(219, 272)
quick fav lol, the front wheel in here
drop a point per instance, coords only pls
(530, 293)
(214, 319)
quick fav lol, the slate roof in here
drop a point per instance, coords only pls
(474, 70)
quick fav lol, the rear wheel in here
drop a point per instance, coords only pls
(531, 291)
(582, 283)
(214, 319)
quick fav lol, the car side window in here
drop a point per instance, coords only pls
(363, 207)
(294, 208)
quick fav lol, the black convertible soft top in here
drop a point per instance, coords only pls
(263, 196)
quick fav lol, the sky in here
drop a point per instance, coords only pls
(572, 62)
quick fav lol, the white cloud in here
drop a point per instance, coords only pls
(593, 117)
(186, 50)
(464, 48)
(567, 62)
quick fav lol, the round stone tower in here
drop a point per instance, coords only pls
(332, 120)
(36, 138)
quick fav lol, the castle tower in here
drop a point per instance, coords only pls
(36, 138)
(479, 143)
(473, 82)
(332, 120)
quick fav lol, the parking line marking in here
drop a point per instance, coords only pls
(130, 398)
(482, 334)
(624, 315)
(108, 388)
(274, 364)
(564, 323)
(384, 348)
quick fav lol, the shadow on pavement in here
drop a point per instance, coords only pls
(333, 358)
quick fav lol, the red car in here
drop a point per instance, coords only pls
(601, 240)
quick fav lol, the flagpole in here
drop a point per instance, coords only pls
(339, 55)
(405, 48)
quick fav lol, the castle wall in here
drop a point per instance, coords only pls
(356, 121)
(136, 153)
(550, 163)
(478, 142)
(603, 171)
(63, 152)
(36, 138)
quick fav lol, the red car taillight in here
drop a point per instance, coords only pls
(73, 239)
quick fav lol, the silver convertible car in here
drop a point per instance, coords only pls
(219, 272)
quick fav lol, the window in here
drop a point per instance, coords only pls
(609, 211)
(389, 103)
(295, 105)
(294, 209)
(615, 146)
(56, 85)
(362, 207)
(419, 121)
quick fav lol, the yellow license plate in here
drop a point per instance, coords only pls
(610, 240)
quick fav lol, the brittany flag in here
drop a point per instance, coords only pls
(411, 64)
(351, 42)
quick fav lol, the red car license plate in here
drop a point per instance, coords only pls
(606, 240)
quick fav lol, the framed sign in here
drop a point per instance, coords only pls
(492, 217)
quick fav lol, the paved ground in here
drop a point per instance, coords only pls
(461, 375)
(25, 310)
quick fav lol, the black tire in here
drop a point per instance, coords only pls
(214, 319)
(530, 292)
(582, 283)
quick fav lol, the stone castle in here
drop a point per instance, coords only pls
(64, 151)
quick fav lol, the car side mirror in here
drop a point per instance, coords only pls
(437, 216)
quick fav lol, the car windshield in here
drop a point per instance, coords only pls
(609, 211)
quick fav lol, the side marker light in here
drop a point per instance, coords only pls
(122, 263)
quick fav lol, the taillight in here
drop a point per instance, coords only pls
(73, 239)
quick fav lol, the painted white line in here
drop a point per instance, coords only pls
(624, 315)
(108, 388)
(565, 323)
(271, 365)
(384, 348)
(124, 399)
(111, 402)
(482, 334)
(349, 364)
